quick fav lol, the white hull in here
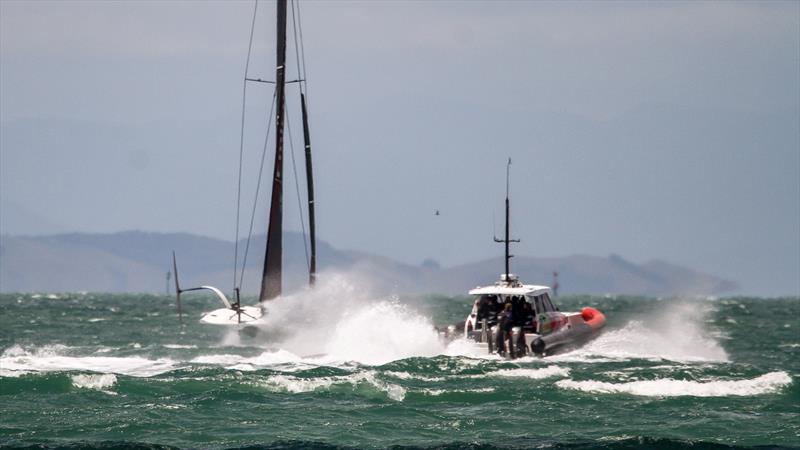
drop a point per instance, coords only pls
(228, 316)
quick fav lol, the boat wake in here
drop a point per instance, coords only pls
(340, 323)
(678, 332)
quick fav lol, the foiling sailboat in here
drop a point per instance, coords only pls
(232, 312)
(514, 319)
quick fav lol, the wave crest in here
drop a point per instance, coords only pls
(667, 387)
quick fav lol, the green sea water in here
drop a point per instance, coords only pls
(342, 370)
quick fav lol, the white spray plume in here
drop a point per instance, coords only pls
(341, 319)
(677, 332)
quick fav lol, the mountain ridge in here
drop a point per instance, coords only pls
(137, 261)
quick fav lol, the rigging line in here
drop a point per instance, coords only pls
(241, 147)
(302, 50)
(258, 186)
(304, 82)
(299, 48)
(297, 189)
(296, 47)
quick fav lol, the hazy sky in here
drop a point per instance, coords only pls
(652, 130)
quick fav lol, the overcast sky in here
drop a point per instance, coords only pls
(651, 130)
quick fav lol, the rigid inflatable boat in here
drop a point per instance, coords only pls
(514, 319)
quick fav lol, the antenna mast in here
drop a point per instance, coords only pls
(507, 239)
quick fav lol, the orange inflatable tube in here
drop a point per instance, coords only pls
(593, 317)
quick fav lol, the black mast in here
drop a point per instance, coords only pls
(312, 265)
(271, 279)
(507, 240)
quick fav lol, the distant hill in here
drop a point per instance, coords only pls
(137, 261)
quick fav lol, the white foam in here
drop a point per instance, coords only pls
(342, 320)
(172, 406)
(53, 359)
(470, 349)
(621, 437)
(296, 385)
(13, 373)
(667, 387)
(409, 376)
(382, 333)
(163, 406)
(583, 356)
(678, 332)
(99, 382)
(179, 346)
(535, 374)
(18, 350)
(220, 360)
(438, 392)
(279, 358)
(292, 384)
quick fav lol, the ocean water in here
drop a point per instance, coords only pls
(338, 368)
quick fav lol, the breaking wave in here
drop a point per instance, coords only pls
(369, 379)
(536, 374)
(55, 358)
(666, 387)
(98, 382)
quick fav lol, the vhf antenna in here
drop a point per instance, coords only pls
(507, 240)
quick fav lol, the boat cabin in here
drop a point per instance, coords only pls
(527, 301)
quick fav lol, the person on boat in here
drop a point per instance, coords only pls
(528, 317)
(483, 308)
(506, 322)
(487, 309)
(518, 310)
(495, 307)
